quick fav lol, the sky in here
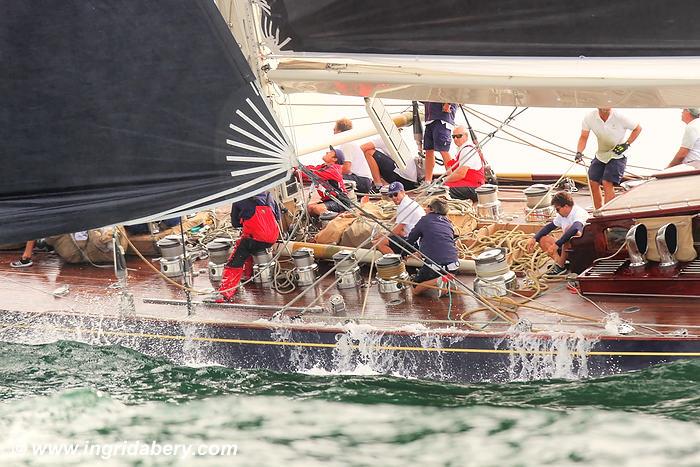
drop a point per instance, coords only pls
(312, 116)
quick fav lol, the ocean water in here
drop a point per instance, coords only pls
(67, 403)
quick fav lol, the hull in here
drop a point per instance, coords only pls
(443, 355)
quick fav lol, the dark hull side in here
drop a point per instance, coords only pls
(442, 355)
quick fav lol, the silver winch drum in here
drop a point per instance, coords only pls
(347, 271)
(170, 247)
(262, 257)
(538, 196)
(216, 271)
(305, 266)
(345, 260)
(493, 276)
(492, 262)
(390, 269)
(487, 194)
(303, 257)
(306, 275)
(490, 211)
(172, 267)
(175, 267)
(219, 250)
(264, 273)
(497, 286)
(348, 279)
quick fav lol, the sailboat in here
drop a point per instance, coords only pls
(129, 114)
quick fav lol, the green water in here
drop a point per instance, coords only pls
(117, 399)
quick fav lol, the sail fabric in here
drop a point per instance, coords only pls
(500, 28)
(118, 110)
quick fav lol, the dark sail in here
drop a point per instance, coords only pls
(534, 28)
(119, 110)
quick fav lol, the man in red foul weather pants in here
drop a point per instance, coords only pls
(258, 217)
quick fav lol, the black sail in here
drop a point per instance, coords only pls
(114, 111)
(503, 28)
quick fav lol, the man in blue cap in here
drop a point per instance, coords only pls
(408, 213)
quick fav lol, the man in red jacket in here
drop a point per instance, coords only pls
(258, 216)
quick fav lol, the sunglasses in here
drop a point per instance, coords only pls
(393, 195)
(459, 135)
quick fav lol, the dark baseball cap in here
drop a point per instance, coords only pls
(338, 154)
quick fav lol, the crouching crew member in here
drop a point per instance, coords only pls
(435, 237)
(570, 218)
(258, 217)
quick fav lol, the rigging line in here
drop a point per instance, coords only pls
(570, 151)
(482, 116)
(305, 104)
(322, 123)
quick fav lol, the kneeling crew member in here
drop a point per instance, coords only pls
(570, 218)
(258, 216)
(435, 237)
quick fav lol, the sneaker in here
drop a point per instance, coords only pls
(556, 270)
(22, 263)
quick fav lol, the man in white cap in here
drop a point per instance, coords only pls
(408, 213)
(689, 152)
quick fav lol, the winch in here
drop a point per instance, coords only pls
(263, 267)
(171, 261)
(347, 271)
(488, 206)
(219, 250)
(305, 266)
(390, 270)
(493, 275)
(539, 203)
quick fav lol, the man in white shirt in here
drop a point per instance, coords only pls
(608, 166)
(689, 152)
(355, 167)
(570, 219)
(408, 213)
(383, 167)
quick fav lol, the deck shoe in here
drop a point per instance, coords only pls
(556, 270)
(22, 263)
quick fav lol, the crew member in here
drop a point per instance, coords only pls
(355, 166)
(408, 213)
(434, 235)
(329, 172)
(258, 217)
(383, 167)
(467, 171)
(689, 152)
(439, 120)
(608, 166)
(570, 218)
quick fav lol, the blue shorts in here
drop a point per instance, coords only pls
(611, 172)
(437, 136)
